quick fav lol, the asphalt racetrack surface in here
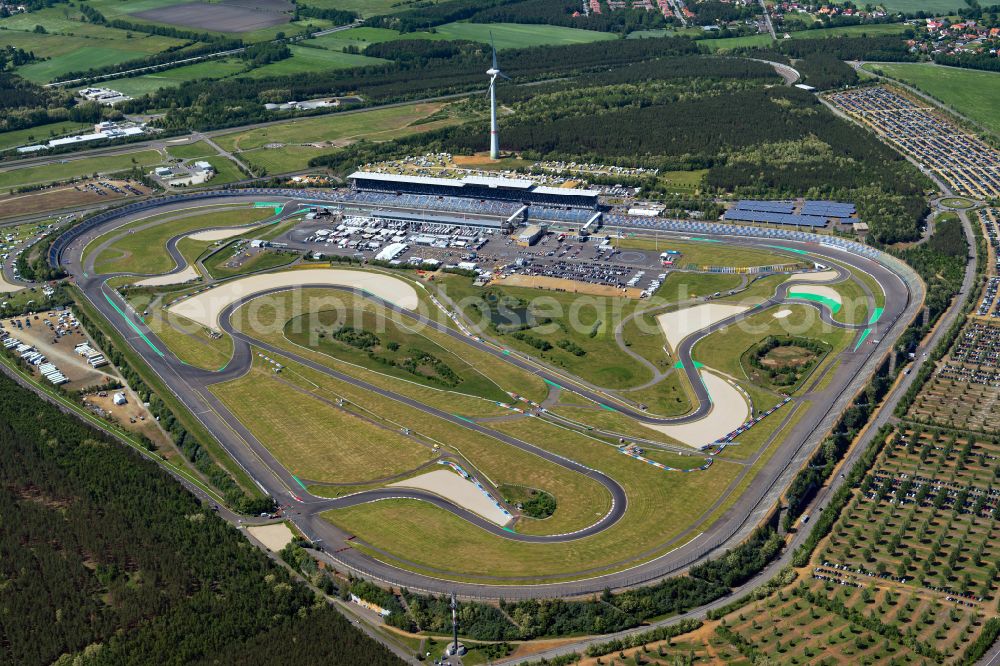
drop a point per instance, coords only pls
(903, 298)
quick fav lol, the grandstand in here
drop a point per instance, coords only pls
(521, 191)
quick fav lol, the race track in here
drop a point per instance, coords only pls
(903, 298)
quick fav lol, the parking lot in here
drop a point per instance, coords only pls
(968, 165)
(562, 255)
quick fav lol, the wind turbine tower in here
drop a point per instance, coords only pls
(494, 72)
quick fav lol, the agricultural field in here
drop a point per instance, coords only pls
(39, 134)
(930, 6)
(368, 8)
(969, 92)
(358, 38)
(514, 35)
(305, 60)
(765, 40)
(70, 44)
(216, 68)
(78, 168)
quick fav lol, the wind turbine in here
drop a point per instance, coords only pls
(493, 72)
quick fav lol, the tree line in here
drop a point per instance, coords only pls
(111, 561)
(208, 104)
(183, 439)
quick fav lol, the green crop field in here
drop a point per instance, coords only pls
(145, 251)
(191, 150)
(765, 40)
(930, 6)
(217, 68)
(80, 168)
(513, 35)
(40, 134)
(305, 60)
(505, 35)
(357, 37)
(70, 44)
(969, 92)
(368, 8)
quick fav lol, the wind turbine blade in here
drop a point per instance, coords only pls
(503, 76)
(494, 49)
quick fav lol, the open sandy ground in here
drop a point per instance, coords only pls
(679, 324)
(274, 537)
(818, 290)
(822, 276)
(729, 411)
(185, 275)
(464, 493)
(781, 314)
(7, 287)
(71, 364)
(565, 284)
(221, 234)
(204, 308)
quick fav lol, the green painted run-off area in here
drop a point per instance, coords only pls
(816, 298)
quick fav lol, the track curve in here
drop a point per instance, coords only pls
(190, 385)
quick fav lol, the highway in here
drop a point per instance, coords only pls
(191, 385)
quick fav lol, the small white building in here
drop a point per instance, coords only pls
(119, 398)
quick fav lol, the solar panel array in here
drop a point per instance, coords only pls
(766, 206)
(737, 215)
(835, 209)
